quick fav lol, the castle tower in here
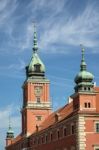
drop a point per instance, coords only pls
(84, 78)
(36, 96)
(85, 96)
(10, 135)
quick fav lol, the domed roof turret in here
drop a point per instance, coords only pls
(36, 66)
(84, 78)
(10, 132)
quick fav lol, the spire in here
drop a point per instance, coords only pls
(36, 68)
(83, 63)
(10, 133)
(35, 44)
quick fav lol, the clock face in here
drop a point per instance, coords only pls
(38, 90)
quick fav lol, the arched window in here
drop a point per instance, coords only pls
(85, 105)
(89, 105)
(65, 131)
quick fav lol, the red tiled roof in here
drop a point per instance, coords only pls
(96, 88)
(63, 112)
(18, 138)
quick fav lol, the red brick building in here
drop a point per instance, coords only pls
(75, 126)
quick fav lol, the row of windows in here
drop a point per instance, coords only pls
(86, 105)
(51, 137)
(48, 138)
(45, 139)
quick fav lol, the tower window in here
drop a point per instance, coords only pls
(38, 99)
(89, 88)
(38, 118)
(97, 127)
(37, 67)
(89, 105)
(85, 105)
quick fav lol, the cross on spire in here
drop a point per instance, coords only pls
(83, 63)
(35, 44)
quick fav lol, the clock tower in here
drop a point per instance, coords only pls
(36, 97)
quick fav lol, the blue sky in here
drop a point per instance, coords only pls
(61, 27)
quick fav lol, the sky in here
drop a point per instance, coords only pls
(62, 25)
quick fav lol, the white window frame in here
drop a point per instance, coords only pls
(95, 126)
(96, 147)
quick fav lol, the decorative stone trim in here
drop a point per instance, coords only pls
(80, 133)
(38, 105)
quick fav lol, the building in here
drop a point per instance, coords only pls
(75, 126)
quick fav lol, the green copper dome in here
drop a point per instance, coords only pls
(36, 66)
(84, 78)
(36, 61)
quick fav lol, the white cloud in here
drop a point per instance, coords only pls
(7, 111)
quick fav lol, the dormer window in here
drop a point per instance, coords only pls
(37, 68)
(57, 117)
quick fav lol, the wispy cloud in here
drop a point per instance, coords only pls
(58, 28)
(7, 8)
(83, 28)
(7, 111)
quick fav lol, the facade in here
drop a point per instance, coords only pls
(75, 126)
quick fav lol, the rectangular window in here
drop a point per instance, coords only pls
(72, 129)
(58, 134)
(42, 140)
(96, 148)
(51, 137)
(38, 99)
(46, 138)
(89, 105)
(65, 131)
(38, 118)
(85, 105)
(97, 127)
